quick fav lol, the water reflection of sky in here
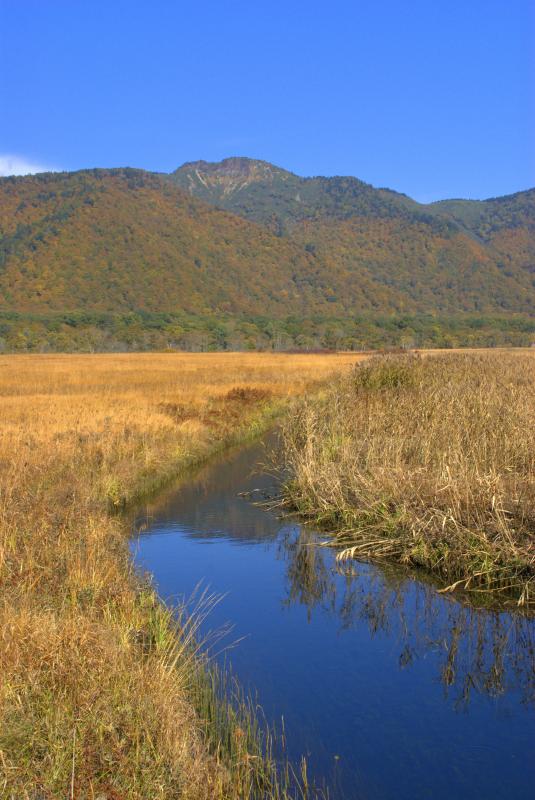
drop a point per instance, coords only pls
(390, 689)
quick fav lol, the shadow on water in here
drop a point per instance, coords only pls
(389, 688)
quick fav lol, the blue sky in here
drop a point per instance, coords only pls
(436, 99)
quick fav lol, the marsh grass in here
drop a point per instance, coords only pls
(253, 750)
(97, 678)
(429, 462)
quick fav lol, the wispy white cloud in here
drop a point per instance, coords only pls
(18, 165)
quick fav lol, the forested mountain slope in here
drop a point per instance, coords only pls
(116, 240)
(127, 240)
(453, 255)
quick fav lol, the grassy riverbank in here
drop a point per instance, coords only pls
(99, 687)
(426, 461)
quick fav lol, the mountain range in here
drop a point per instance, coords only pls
(243, 237)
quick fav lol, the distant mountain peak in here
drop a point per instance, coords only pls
(228, 176)
(234, 164)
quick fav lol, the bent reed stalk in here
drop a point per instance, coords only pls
(428, 461)
(99, 683)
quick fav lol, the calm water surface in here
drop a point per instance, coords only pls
(390, 689)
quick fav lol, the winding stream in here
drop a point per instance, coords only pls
(390, 689)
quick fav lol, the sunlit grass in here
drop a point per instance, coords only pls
(429, 462)
(96, 693)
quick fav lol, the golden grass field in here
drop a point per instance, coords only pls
(86, 709)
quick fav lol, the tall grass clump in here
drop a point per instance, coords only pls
(428, 461)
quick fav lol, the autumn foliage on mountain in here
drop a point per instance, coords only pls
(389, 252)
(243, 239)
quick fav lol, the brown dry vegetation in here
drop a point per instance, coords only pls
(427, 461)
(87, 708)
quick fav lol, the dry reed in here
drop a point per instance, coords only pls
(426, 461)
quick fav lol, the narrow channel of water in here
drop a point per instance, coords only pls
(391, 690)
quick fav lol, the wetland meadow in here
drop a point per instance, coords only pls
(232, 575)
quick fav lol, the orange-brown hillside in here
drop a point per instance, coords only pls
(127, 240)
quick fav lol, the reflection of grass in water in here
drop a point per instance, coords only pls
(429, 462)
(478, 649)
(309, 580)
